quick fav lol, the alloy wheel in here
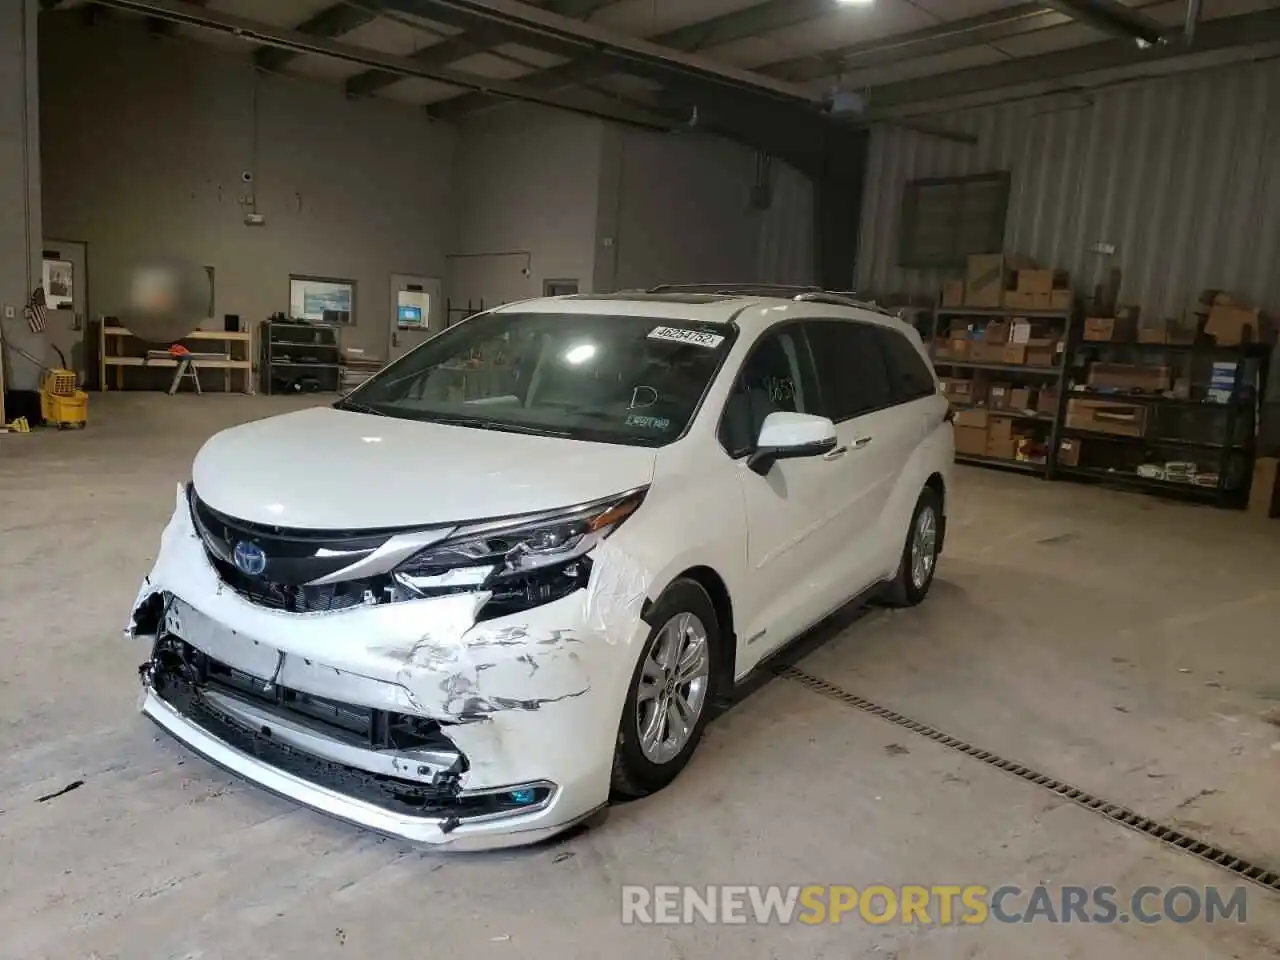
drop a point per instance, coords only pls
(673, 687)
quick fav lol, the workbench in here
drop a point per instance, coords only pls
(112, 341)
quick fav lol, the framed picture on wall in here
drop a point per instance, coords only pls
(58, 284)
(322, 299)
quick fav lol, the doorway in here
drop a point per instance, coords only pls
(65, 279)
(559, 288)
(416, 312)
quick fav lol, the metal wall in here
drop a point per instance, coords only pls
(1181, 174)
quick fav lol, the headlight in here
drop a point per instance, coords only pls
(523, 563)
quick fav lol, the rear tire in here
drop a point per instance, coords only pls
(919, 559)
(670, 697)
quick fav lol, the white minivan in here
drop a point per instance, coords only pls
(505, 578)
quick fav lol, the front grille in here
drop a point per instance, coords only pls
(294, 558)
(300, 598)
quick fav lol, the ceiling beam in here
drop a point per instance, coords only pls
(1112, 16)
(334, 21)
(1221, 34)
(298, 42)
(929, 41)
(466, 44)
(557, 34)
(751, 22)
(577, 9)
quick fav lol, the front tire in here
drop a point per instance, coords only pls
(919, 554)
(669, 700)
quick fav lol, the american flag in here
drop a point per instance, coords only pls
(34, 310)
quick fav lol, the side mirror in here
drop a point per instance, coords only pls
(787, 436)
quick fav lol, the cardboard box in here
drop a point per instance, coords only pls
(1015, 353)
(998, 396)
(1108, 328)
(1000, 438)
(1021, 398)
(1153, 331)
(983, 352)
(1047, 401)
(1230, 325)
(972, 418)
(1107, 416)
(1061, 300)
(963, 392)
(987, 277)
(997, 331)
(1038, 280)
(1042, 352)
(1183, 332)
(1020, 300)
(1264, 492)
(971, 441)
(953, 293)
(957, 349)
(1000, 449)
(1130, 376)
(1069, 451)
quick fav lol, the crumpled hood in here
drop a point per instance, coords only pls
(329, 469)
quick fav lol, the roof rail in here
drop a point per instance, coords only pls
(843, 299)
(736, 289)
(799, 292)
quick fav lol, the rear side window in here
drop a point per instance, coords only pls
(852, 373)
(909, 375)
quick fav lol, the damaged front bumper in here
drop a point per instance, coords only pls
(407, 718)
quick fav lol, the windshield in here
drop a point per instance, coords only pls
(632, 380)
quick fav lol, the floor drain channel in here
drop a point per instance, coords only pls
(1112, 811)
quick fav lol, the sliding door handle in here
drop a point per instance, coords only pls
(835, 454)
(861, 442)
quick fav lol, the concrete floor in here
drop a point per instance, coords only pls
(1109, 639)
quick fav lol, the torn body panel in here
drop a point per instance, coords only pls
(528, 698)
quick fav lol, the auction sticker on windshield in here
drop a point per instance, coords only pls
(682, 335)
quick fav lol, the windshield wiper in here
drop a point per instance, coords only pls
(497, 425)
(355, 406)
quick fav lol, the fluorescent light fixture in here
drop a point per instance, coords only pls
(856, 3)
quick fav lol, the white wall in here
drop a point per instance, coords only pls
(144, 143)
(19, 185)
(683, 213)
(617, 207)
(528, 181)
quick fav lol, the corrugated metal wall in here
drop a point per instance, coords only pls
(1181, 173)
(785, 249)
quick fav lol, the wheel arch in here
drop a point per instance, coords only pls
(938, 484)
(713, 583)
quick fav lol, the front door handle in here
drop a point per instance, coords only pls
(861, 442)
(835, 454)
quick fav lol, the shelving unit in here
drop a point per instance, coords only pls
(297, 352)
(113, 342)
(1225, 449)
(1031, 376)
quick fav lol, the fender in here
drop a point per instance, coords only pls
(935, 454)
